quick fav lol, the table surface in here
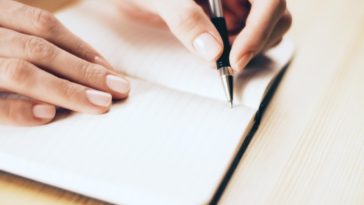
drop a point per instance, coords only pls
(309, 148)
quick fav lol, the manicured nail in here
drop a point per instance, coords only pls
(207, 46)
(101, 61)
(117, 84)
(99, 98)
(240, 65)
(44, 111)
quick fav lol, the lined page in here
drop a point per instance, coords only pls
(153, 54)
(158, 147)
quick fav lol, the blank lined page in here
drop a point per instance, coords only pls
(158, 147)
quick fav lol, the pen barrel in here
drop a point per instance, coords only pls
(220, 25)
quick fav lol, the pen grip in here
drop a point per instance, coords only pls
(220, 25)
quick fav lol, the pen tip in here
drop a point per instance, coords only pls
(231, 104)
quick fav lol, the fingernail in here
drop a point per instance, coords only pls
(117, 84)
(44, 111)
(207, 46)
(240, 65)
(101, 61)
(99, 98)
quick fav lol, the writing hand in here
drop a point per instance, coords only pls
(253, 25)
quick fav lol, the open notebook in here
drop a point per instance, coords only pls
(170, 142)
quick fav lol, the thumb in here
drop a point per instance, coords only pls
(190, 24)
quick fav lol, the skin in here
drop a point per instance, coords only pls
(51, 67)
(254, 25)
(43, 61)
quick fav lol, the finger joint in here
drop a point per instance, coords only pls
(45, 22)
(69, 90)
(39, 49)
(15, 71)
(91, 73)
(188, 20)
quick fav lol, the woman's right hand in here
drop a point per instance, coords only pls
(43, 61)
(254, 26)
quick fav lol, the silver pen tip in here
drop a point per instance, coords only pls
(228, 84)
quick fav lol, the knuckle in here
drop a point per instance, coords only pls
(44, 21)
(70, 90)
(91, 73)
(39, 49)
(15, 71)
(189, 19)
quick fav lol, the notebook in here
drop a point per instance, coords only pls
(170, 142)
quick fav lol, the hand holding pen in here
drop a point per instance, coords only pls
(253, 25)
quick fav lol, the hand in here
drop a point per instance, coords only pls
(43, 61)
(254, 25)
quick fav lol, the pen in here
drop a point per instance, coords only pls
(223, 63)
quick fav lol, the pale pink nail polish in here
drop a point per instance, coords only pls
(117, 84)
(43, 111)
(207, 46)
(99, 98)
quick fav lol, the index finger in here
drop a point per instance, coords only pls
(263, 17)
(41, 23)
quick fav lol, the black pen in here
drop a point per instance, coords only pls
(223, 63)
